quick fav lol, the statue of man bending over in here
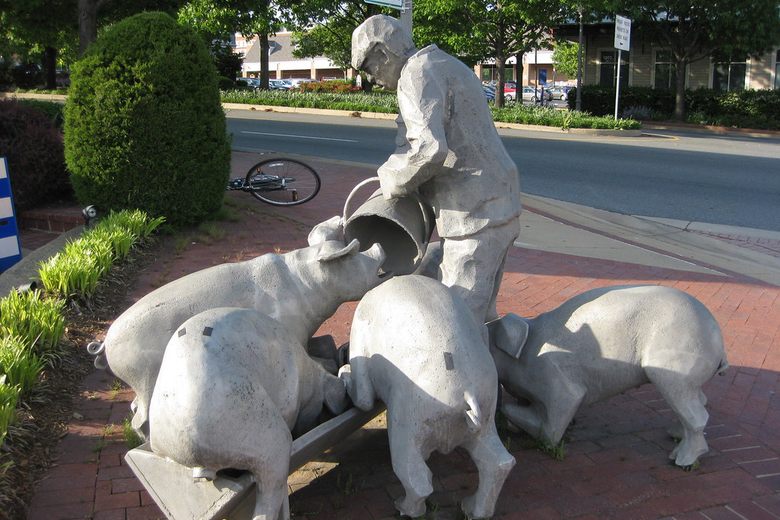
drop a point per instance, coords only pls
(450, 153)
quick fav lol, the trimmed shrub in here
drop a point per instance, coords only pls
(55, 111)
(335, 85)
(745, 108)
(33, 146)
(144, 127)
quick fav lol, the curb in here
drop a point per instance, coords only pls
(706, 251)
(26, 270)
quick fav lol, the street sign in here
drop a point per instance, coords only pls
(395, 4)
(543, 76)
(10, 250)
(622, 33)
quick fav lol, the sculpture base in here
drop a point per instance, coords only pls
(180, 497)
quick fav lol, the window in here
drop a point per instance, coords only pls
(729, 74)
(608, 69)
(777, 69)
(665, 70)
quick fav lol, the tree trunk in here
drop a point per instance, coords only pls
(264, 50)
(500, 69)
(519, 69)
(50, 67)
(679, 96)
(87, 14)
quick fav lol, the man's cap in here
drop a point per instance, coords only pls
(379, 28)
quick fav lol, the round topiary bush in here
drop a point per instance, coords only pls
(32, 144)
(144, 127)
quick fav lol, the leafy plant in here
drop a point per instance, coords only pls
(33, 146)
(77, 269)
(19, 364)
(33, 319)
(9, 395)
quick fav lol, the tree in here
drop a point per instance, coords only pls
(89, 13)
(480, 29)
(565, 57)
(39, 28)
(324, 28)
(222, 18)
(699, 29)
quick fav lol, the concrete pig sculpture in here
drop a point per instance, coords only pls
(603, 342)
(300, 289)
(417, 347)
(232, 385)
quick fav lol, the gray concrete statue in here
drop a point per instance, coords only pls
(232, 386)
(603, 342)
(450, 152)
(416, 346)
(300, 289)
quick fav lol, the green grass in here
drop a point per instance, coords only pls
(132, 439)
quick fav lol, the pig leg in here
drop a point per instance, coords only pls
(677, 431)
(493, 464)
(270, 471)
(410, 468)
(687, 404)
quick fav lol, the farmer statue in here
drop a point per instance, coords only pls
(449, 153)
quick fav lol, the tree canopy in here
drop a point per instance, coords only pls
(696, 29)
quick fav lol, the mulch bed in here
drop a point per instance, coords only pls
(30, 447)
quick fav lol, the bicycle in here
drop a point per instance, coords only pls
(279, 182)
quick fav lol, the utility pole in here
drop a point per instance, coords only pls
(406, 15)
(580, 47)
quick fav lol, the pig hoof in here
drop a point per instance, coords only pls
(203, 474)
(470, 509)
(411, 508)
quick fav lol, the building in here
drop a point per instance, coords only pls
(282, 64)
(649, 64)
(536, 65)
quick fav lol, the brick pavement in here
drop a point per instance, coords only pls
(616, 451)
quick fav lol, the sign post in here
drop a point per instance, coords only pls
(405, 6)
(622, 43)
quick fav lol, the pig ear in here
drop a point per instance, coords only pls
(327, 252)
(331, 229)
(509, 334)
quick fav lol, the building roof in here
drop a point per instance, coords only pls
(281, 49)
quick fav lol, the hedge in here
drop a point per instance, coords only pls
(144, 127)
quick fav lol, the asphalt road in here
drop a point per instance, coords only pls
(696, 177)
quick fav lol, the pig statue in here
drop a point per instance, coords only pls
(232, 385)
(601, 343)
(300, 289)
(416, 346)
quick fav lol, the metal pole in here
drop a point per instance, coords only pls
(580, 49)
(406, 15)
(536, 81)
(617, 87)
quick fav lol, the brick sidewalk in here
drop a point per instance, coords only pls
(616, 451)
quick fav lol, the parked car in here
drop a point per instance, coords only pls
(528, 93)
(561, 92)
(279, 84)
(296, 82)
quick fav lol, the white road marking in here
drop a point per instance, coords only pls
(301, 136)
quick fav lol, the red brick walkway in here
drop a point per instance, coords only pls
(616, 451)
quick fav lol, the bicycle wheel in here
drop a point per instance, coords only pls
(282, 182)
